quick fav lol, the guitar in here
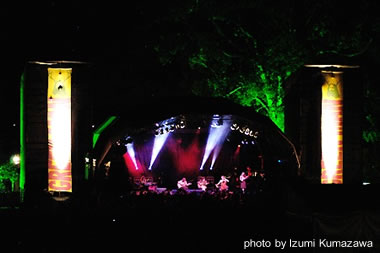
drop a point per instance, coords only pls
(182, 185)
(202, 185)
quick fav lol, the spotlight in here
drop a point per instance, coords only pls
(215, 123)
(15, 159)
(131, 153)
(215, 139)
(128, 140)
(234, 126)
(157, 145)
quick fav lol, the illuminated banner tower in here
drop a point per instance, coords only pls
(332, 128)
(324, 116)
(59, 129)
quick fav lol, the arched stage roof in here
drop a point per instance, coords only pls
(145, 113)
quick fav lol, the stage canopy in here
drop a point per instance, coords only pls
(171, 138)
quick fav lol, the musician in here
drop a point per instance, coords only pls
(222, 185)
(143, 183)
(243, 183)
(249, 171)
(183, 184)
(202, 183)
(143, 180)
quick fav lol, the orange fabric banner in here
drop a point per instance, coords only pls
(59, 130)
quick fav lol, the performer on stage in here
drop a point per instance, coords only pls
(249, 171)
(183, 184)
(243, 183)
(202, 183)
(143, 180)
(143, 183)
(222, 184)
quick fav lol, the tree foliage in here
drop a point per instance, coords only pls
(9, 173)
(246, 50)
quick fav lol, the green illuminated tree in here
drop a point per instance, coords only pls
(246, 50)
(8, 172)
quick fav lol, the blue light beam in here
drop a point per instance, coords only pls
(159, 141)
(216, 136)
(131, 153)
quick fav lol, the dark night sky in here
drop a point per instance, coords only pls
(61, 30)
(115, 36)
(111, 36)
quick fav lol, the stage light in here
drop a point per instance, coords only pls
(15, 159)
(159, 141)
(234, 127)
(131, 153)
(216, 137)
(128, 140)
(214, 125)
(217, 122)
